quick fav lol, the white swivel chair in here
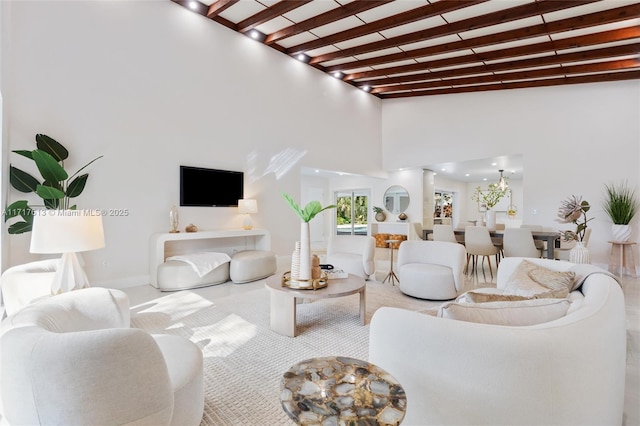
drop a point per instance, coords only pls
(431, 269)
(478, 242)
(71, 359)
(444, 233)
(562, 252)
(518, 242)
(24, 284)
(353, 254)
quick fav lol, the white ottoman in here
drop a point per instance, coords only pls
(251, 265)
(176, 275)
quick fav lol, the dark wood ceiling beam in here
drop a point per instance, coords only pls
(519, 75)
(594, 78)
(585, 21)
(220, 6)
(587, 55)
(268, 14)
(407, 17)
(499, 17)
(328, 17)
(621, 34)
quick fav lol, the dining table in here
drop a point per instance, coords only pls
(552, 238)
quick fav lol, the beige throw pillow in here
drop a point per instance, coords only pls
(535, 281)
(518, 313)
(475, 297)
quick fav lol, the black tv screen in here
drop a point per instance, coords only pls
(200, 187)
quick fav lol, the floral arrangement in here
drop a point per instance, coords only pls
(574, 210)
(491, 197)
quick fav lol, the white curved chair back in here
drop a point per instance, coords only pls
(518, 242)
(353, 254)
(444, 233)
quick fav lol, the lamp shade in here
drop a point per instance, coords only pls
(248, 206)
(66, 231)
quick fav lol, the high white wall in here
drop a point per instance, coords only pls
(151, 85)
(573, 139)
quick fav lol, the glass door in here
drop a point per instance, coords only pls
(352, 212)
(443, 211)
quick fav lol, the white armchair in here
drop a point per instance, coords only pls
(353, 254)
(72, 359)
(22, 284)
(431, 269)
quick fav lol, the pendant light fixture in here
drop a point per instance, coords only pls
(502, 182)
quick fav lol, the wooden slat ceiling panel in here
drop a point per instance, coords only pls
(446, 46)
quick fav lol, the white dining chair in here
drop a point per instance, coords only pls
(444, 233)
(478, 242)
(536, 228)
(518, 242)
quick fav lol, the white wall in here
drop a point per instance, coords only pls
(573, 140)
(150, 86)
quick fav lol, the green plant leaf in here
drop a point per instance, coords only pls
(76, 186)
(17, 208)
(51, 147)
(85, 166)
(20, 227)
(293, 205)
(24, 153)
(52, 204)
(49, 193)
(22, 181)
(49, 168)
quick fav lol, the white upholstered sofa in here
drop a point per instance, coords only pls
(71, 359)
(569, 371)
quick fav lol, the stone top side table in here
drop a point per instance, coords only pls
(341, 390)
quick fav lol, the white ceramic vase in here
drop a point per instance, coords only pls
(620, 232)
(305, 252)
(579, 254)
(490, 219)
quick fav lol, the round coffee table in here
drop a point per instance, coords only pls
(341, 390)
(283, 300)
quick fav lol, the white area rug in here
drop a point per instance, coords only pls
(244, 360)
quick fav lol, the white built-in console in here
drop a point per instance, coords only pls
(163, 245)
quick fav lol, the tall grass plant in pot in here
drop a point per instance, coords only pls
(621, 205)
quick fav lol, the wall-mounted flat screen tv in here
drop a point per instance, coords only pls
(201, 187)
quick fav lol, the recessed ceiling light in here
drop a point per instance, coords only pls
(494, 164)
(337, 74)
(484, 179)
(255, 34)
(317, 171)
(366, 88)
(443, 169)
(193, 5)
(301, 57)
(467, 175)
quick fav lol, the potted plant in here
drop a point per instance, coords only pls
(380, 216)
(56, 189)
(309, 212)
(574, 210)
(489, 198)
(621, 205)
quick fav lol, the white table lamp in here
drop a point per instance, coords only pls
(247, 206)
(67, 232)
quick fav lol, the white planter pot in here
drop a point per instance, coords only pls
(579, 254)
(620, 232)
(490, 218)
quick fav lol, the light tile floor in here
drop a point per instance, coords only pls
(482, 278)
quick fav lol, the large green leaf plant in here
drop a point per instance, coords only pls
(309, 211)
(56, 188)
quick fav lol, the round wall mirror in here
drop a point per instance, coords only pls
(396, 199)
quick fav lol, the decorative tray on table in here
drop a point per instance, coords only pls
(312, 284)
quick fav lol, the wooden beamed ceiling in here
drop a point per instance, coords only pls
(406, 48)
